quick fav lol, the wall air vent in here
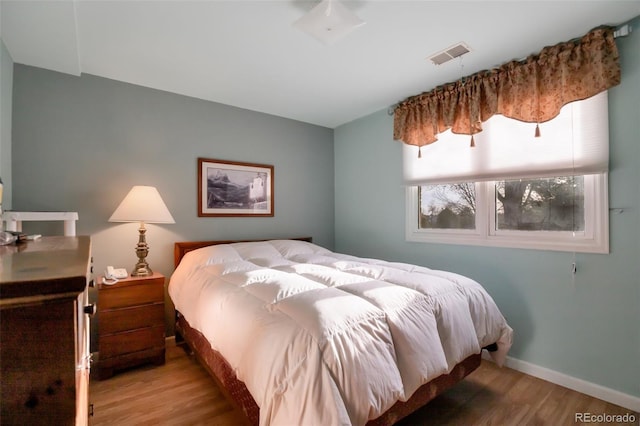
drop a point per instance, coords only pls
(449, 53)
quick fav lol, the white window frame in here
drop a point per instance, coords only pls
(594, 238)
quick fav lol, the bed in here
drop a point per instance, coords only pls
(296, 334)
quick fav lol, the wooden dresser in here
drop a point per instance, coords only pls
(130, 324)
(44, 336)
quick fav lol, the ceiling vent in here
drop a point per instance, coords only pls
(449, 53)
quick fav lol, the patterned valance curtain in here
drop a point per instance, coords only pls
(532, 90)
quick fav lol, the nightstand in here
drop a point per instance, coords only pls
(130, 323)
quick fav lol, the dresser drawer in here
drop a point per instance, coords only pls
(144, 292)
(131, 341)
(114, 321)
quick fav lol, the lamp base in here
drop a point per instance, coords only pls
(142, 268)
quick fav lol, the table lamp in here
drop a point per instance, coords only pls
(142, 204)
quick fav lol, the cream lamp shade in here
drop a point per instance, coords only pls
(142, 204)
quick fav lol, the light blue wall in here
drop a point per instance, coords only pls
(80, 144)
(590, 331)
(6, 91)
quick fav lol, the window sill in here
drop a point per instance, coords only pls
(470, 238)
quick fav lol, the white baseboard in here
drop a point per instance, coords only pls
(597, 391)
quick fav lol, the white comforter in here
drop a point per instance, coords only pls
(321, 338)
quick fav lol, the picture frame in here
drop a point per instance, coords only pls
(233, 188)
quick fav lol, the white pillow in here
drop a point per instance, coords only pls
(256, 250)
(289, 248)
(211, 255)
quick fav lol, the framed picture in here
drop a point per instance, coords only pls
(231, 188)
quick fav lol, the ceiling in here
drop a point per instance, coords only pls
(247, 53)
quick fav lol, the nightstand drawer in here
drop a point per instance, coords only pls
(131, 341)
(115, 321)
(145, 292)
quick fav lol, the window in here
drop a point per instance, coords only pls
(447, 206)
(549, 204)
(553, 197)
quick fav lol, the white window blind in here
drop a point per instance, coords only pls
(576, 142)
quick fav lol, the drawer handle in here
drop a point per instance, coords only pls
(90, 309)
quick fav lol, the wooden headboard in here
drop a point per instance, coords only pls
(182, 248)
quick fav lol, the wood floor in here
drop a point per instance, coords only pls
(182, 393)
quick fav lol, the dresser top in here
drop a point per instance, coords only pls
(49, 265)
